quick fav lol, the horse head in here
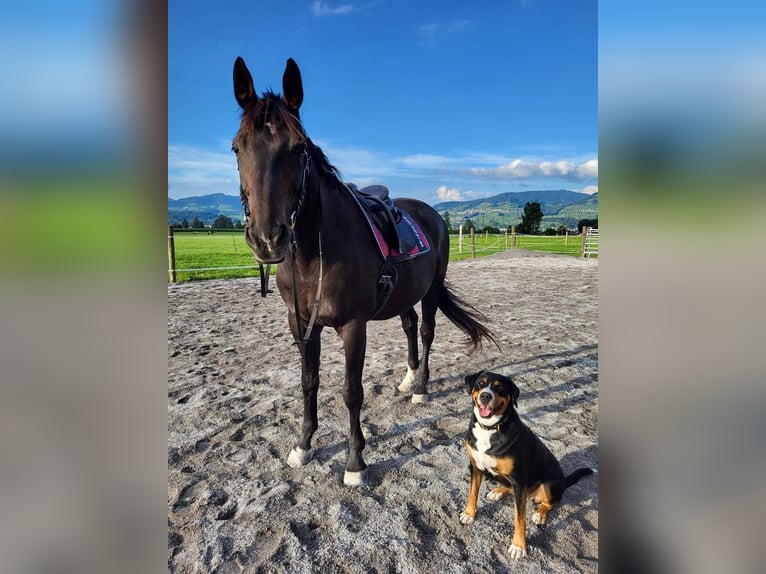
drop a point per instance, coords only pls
(272, 158)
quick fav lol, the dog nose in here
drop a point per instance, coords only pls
(485, 397)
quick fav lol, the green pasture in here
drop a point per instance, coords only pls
(198, 250)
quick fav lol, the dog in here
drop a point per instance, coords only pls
(503, 448)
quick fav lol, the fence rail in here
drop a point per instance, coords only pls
(590, 242)
(224, 254)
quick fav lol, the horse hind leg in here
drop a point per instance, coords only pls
(302, 452)
(410, 326)
(427, 327)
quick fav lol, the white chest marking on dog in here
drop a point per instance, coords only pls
(481, 459)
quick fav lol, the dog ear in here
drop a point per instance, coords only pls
(470, 379)
(515, 392)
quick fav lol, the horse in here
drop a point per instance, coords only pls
(296, 204)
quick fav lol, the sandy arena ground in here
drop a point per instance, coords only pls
(235, 410)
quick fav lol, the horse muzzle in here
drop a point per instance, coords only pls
(270, 247)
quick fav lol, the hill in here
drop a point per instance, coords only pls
(206, 207)
(559, 206)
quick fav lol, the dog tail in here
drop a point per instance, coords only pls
(577, 475)
(465, 317)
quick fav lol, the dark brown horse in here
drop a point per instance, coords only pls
(301, 215)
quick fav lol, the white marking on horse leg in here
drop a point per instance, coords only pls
(298, 457)
(406, 385)
(418, 399)
(351, 478)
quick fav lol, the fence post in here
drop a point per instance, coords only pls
(460, 240)
(566, 238)
(506, 239)
(473, 243)
(513, 236)
(584, 239)
(486, 237)
(171, 255)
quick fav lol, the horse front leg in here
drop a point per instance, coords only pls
(354, 335)
(302, 451)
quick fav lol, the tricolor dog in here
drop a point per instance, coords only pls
(503, 448)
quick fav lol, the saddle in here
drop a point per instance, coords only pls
(386, 216)
(398, 236)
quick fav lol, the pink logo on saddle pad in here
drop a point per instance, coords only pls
(392, 252)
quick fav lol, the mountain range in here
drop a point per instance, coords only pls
(559, 206)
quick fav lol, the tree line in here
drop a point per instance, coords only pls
(221, 222)
(530, 223)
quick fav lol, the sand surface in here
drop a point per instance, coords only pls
(235, 410)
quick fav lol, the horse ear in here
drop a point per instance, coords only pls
(292, 86)
(243, 85)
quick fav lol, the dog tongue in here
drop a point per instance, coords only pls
(484, 411)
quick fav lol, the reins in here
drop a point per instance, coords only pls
(303, 338)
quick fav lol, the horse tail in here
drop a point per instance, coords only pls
(465, 317)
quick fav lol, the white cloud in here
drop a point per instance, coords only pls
(590, 189)
(449, 194)
(425, 160)
(194, 171)
(430, 33)
(588, 169)
(524, 168)
(320, 9)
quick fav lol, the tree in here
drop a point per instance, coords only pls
(447, 221)
(185, 224)
(587, 223)
(223, 222)
(197, 223)
(531, 218)
(468, 224)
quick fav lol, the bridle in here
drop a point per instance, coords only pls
(303, 338)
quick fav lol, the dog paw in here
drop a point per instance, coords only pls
(538, 518)
(517, 552)
(466, 518)
(497, 494)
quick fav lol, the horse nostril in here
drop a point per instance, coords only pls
(277, 232)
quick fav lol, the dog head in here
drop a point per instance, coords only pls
(492, 395)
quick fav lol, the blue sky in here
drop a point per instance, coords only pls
(437, 100)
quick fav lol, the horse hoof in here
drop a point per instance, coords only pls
(298, 457)
(418, 399)
(351, 478)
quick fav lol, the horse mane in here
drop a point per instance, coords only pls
(271, 106)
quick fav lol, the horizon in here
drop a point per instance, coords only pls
(450, 103)
(591, 194)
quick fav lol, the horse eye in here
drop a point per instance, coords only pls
(235, 149)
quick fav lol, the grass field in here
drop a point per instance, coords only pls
(205, 253)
